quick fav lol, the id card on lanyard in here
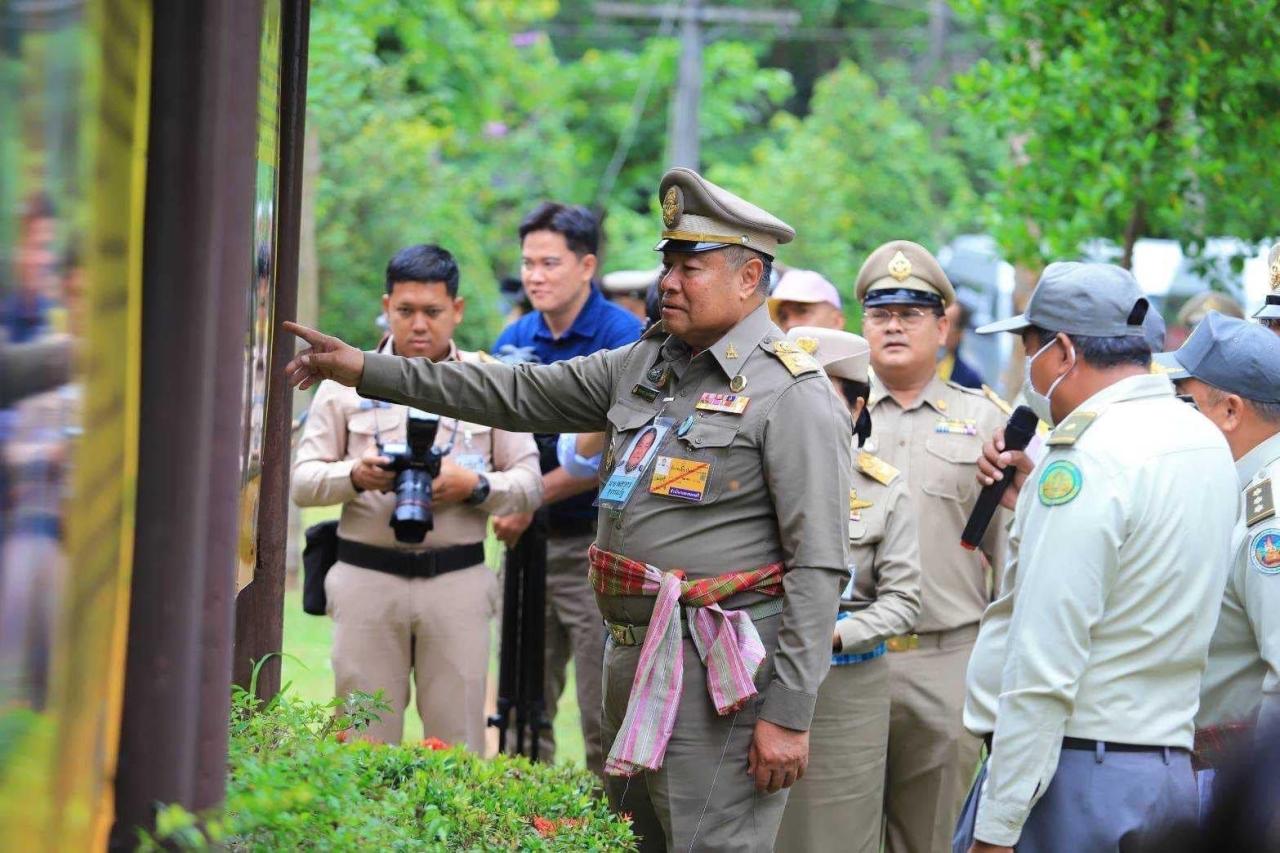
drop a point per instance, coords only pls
(632, 463)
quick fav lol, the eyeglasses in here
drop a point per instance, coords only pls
(910, 318)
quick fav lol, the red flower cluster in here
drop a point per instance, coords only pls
(549, 827)
(434, 743)
(341, 737)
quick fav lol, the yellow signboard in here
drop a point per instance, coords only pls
(64, 680)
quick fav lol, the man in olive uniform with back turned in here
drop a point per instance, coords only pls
(745, 490)
(932, 431)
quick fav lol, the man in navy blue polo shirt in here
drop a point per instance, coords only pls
(558, 246)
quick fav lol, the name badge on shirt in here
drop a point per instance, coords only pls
(632, 463)
(956, 426)
(680, 478)
(733, 404)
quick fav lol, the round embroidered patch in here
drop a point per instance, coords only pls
(1060, 483)
(1264, 551)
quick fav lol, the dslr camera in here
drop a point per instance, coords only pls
(416, 463)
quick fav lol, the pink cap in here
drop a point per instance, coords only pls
(805, 286)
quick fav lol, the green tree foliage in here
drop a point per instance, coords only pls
(447, 121)
(1125, 120)
(857, 171)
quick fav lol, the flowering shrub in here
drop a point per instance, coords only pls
(300, 779)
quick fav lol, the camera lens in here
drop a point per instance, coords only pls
(412, 519)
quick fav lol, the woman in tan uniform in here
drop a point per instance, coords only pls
(839, 803)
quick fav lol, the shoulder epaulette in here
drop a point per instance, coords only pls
(1069, 431)
(876, 468)
(1258, 502)
(795, 359)
(1001, 403)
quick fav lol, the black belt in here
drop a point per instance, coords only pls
(411, 564)
(1089, 745)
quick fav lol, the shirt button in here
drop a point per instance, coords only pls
(617, 525)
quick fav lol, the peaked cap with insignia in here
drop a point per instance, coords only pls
(698, 216)
(1270, 310)
(903, 273)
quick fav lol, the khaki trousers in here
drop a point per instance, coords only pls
(839, 804)
(932, 758)
(386, 628)
(574, 631)
(701, 798)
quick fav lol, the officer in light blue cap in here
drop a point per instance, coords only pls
(1233, 373)
(1085, 676)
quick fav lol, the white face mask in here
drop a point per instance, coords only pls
(1040, 403)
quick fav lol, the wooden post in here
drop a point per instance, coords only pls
(197, 262)
(260, 605)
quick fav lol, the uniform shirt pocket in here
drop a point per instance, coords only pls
(710, 442)
(624, 419)
(950, 470)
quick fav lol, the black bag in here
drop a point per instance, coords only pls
(320, 553)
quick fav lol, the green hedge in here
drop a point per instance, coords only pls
(298, 782)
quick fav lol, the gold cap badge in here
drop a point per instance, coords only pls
(900, 267)
(1275, 275)
(672, 206)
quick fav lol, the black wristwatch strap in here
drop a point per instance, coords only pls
(480, 492)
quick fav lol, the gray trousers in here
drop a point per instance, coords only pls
(701, 799)
(574, 631)
(1099, 802)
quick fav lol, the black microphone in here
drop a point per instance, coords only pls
(1017, 435)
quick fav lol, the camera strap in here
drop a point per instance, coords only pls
(377, 430)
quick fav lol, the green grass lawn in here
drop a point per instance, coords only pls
(308, 673)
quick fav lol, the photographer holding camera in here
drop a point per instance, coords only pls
(409, 592)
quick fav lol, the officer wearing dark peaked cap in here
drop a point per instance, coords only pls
(727, 456)
(1269, 314)
(932, 431)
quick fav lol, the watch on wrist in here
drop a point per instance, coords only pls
(480, 492)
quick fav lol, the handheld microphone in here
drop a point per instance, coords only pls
(1017, 435)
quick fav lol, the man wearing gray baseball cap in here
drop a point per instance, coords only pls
(1086, 674)
(1233, 374)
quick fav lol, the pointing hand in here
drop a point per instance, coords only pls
(326, 357)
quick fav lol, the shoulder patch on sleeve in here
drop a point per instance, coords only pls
(795, 359)
(876, 468)
(1000, 402)
(1069, 431)
(1264, 551)
(1258, 502)
(1060, 483)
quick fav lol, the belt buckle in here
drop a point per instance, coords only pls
(622, 635)
(903, 642)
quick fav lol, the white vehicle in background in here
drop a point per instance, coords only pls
(984, 281)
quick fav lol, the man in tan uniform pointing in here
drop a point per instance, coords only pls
(744, 488)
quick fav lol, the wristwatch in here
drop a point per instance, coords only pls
(480, 492)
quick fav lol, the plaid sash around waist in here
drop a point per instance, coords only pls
(727, 643)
